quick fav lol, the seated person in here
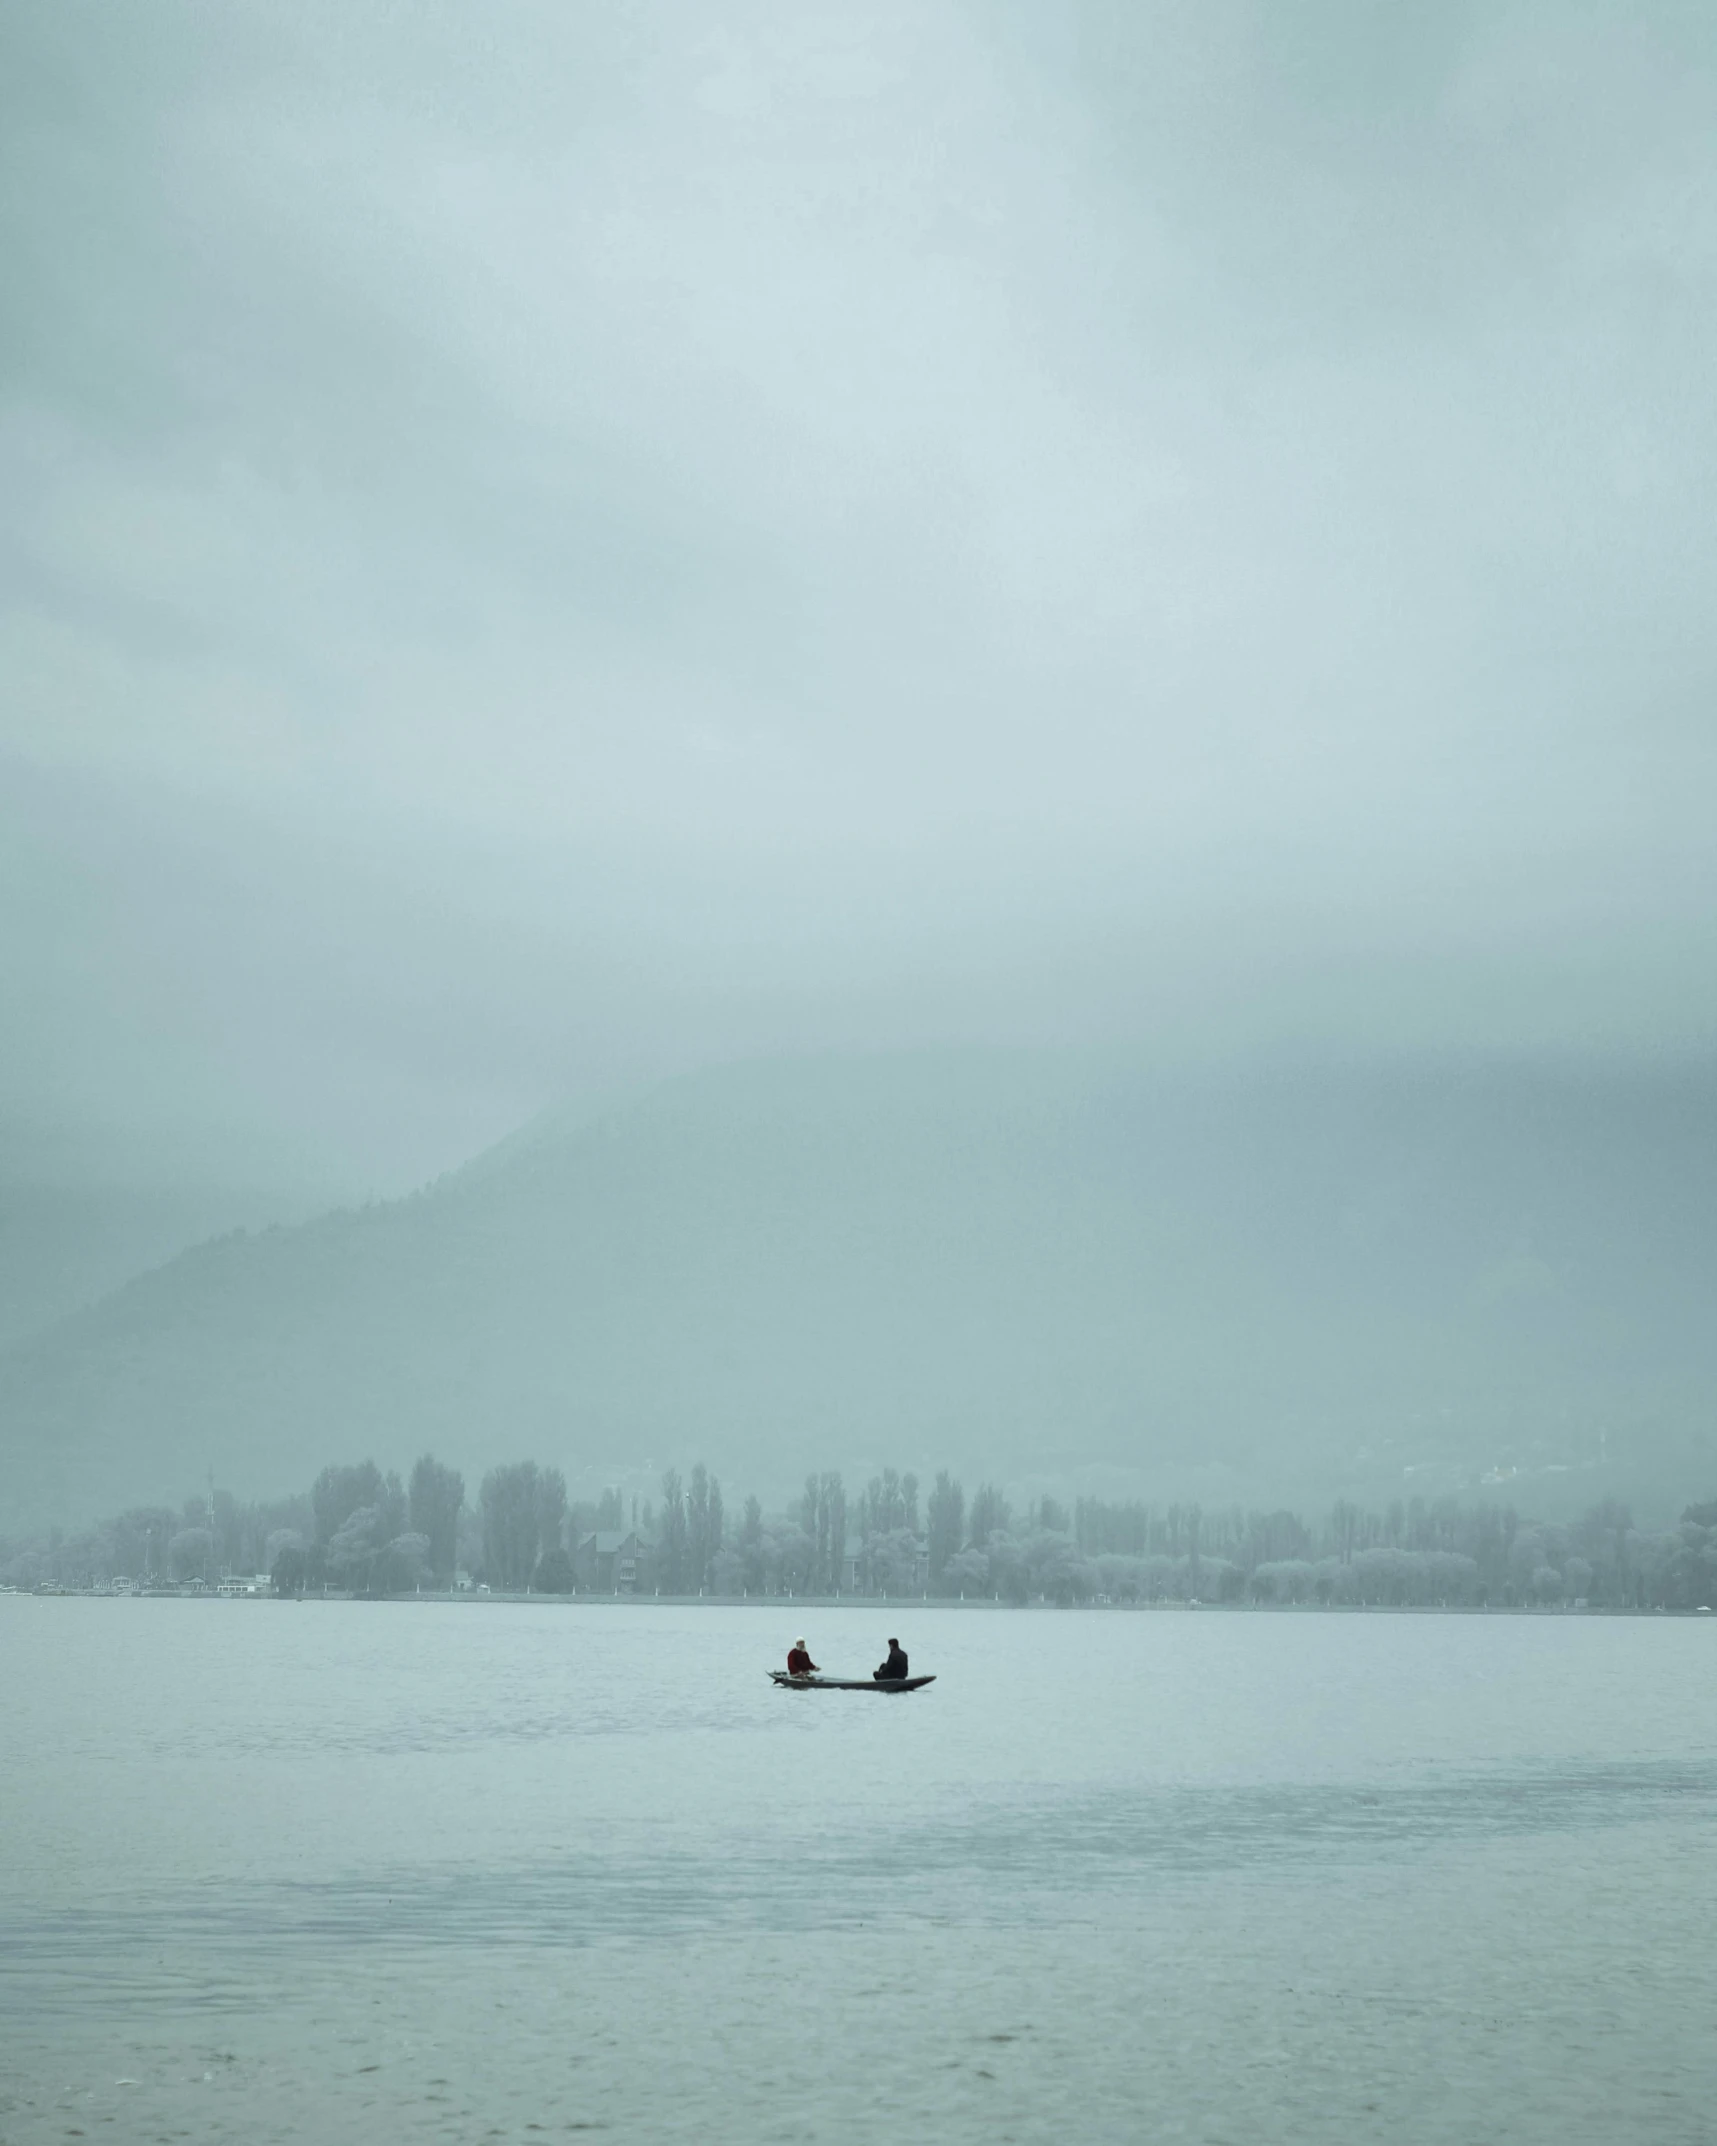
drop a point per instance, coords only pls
(799, 1662)
(894, 1669)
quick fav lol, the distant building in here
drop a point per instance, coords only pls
(612, 1562)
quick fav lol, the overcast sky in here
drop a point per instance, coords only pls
(542, 543)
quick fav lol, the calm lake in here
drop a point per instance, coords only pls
(335, 1871)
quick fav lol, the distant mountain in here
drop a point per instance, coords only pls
(78, 1220)
(1286, 1282)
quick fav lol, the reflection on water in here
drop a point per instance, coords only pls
(996, 1869)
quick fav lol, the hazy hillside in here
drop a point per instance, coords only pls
(1009, 1264)
(79, 1217)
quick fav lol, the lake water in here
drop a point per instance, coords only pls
(334, 1871)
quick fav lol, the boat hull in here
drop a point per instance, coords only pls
(788, 1683)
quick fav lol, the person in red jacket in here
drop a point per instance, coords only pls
(799, 1662)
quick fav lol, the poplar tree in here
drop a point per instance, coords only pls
(946, 1514)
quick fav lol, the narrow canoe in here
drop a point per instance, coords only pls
(788, 1683)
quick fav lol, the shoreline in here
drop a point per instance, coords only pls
(780, 1604)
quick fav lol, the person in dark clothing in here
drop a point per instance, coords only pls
(799, 1662)
(894, 1669)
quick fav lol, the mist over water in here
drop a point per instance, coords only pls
(1070, 1271)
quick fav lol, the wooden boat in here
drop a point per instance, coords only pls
(821, 1683)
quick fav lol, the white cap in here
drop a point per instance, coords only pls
(798, 1642)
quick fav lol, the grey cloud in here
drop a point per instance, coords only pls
(1180, 522)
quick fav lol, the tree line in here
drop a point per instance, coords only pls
(369, 1532)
